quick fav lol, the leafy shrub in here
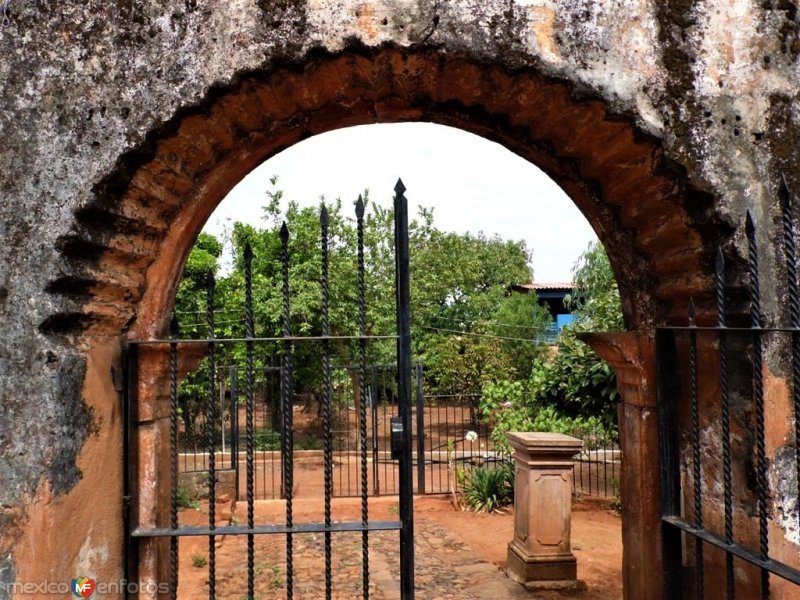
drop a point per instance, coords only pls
(507, 407)
(487, 489)
(269, 440)
(185, 499)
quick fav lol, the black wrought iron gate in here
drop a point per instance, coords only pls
(156, 423)
(724, 497)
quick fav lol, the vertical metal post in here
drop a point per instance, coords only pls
(757, 322)
(233, 388)
(670, 463)
(727, 476)
(249, 432)
(288, 416)
(420, 433)
(130, 464)
(327, 425)
(790, 256)
(211, 419)
(376, 487)
(404, 391)
(173, 457)
(697, 479)
(362, 394)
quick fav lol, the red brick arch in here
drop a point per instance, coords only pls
(130, 243)
(124, 255)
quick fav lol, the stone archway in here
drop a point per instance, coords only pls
(145, 215)
(140, 226)
(124, 125)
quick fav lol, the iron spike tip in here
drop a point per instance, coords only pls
(360, 207)
(399, 187)
(248, 252)
(174, 329)
(284, 232)
(324, 218)
(210, 282)
(783, 192)
(749, 225)
(720, 262)
(692, 312)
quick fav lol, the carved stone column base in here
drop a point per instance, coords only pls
(531, 570)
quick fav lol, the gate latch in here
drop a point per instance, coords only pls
(397, 437)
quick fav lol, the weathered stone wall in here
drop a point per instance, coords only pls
(123, 124)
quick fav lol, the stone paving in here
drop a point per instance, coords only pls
(445, 568)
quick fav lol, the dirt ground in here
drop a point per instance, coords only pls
(450, 543)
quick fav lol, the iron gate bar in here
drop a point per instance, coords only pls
(790, 257)
(249, 425)
(696, 469)
(404, 391)
(288, 416)
(420, 432)
(267, 529)
(326, 398)
(362, 385)
(130, 468)
(210, 424)
(719, 288)
(670, 465)
(374, 414)
(173, 456)
(757, 319)
(775, 566)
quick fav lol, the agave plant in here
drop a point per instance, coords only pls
(487, 489)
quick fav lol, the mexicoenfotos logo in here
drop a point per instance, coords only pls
(83, 587)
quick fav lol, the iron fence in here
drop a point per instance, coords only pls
(216, 406)
(450, 437)
(717, 490)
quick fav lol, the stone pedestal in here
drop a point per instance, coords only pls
(540, 556)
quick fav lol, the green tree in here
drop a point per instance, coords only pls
(466, 325)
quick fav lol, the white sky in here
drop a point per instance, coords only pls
(472, 183)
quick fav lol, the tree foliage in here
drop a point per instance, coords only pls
(467, 327)
(571, 389)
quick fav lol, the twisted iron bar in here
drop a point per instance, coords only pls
(173, 456)
(326, 398)
(697, 473)
(727, 476)
(790, 256)
(249, 429)
(288, 436)
(362, 394)
(757, 321)
(211, 419)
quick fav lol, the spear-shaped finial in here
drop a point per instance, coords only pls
(360, 207)
(174, 329)
(284, 232)
(692, 313)
(399, 187)
(323, 215)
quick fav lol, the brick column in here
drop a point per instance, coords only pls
(540, 555)
(152, 496)
(632, 355)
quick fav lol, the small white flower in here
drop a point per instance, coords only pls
(507, 404)
(471, 436)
